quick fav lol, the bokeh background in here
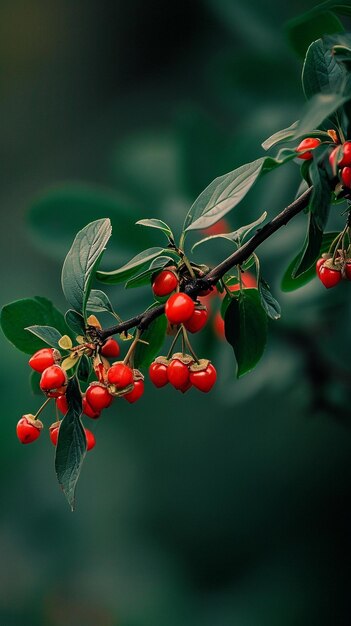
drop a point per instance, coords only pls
(225, 510)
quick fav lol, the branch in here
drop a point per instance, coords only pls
(143, 320)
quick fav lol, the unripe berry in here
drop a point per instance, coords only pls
(179, 308)
(28, 429)
(197, 321)
(110, 349)
(307, 144)
(44, 358)
(120, 375)
(204, 379)
(98, 397)
(53, 381)
(158, 374)
(346, 177)
(178, 374)
(136, 392)
(164, 283)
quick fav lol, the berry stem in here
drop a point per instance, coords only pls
(188, 344)
(42, 408)
(174, 343)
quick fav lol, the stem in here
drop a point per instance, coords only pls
(174, 342)
(143, 320)
(188, 344)
(42, 408)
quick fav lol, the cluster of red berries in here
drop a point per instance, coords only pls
(331, 271)
(183, 372)
(339, 158)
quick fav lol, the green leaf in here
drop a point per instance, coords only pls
(34, 380)
(312, 25)
(81, 262)
(225, 192)
(155, 336)
(317, 110)
(321, 73)
(18, 315)
(84, 368)
(71, 444)
(289, 283)
(236, 236)
(321, 195)
(269, 303)
(48, 334)
(281, 135)
(153, 223)
(245, 324)
(137, 263)
(99, 302)
(145, 277)
(75, 321)
(60, 212)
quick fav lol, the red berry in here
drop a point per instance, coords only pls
(346, 177)
(197, 321)
(218, 325)
(329, 277)
(178, 374)
(222, 226)
(91, 441)
(98, 397)
(120, 375)
(62, 404)
(158, 374)
(348, 270)
(179, 308)
(319, 264)
(205, 379)
(110, 349)
(53, 381)
(184, 388)
(28, 429)
(44, 358)
(164, 283)
(332, 158)
(88, 410)
(136, 393)
(307, 144)
(54, 432)
(346, 155)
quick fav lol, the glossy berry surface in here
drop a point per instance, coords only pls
(98, 397)
(54, 433)
(346, 177)
(184, 388)
(62, 404)
(345, 160)
(43, 359)
(136, 393)
(307, 144)
(120, 375)
(91, 441)
(179, 308)
(26, 431)
(329, 277)
(53, 381)
(164, 283)
(205, 379)
(348, 271)
(197, 321)
(88, 410)
(178, 374)
(319, 264)
(158, 374)
(110, 349)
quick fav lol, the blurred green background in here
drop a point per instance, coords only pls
(226, 510)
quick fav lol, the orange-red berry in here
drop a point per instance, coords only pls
(307, 144)
(197, 321)
(178, 374)
(120, 375)
(28, 429)
(346, 177)
(158, 374)
(136, 392)
(164, 283)
(44, 358)
(110, 349)
(53, 381)
(98, 397)
(205, 379)
(179, 308)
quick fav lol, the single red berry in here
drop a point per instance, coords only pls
(348, 270)
(53, 381)
(205, 379)
(346, 155)
(62, 404)
(44, 358)
(110, 349)
(54, 432)
(184, 388)
(319, 264)
(88, 410)
(136, 393)
(97, 397)
(28, 429)
(91, 441)
(178, 374)
(346, 177)
(333, 158)
(120, 375)
(197, 321)
(179, 308)
(164, 283)
(329, 277)
(158, 374)
(307, 144)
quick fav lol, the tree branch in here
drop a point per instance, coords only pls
(143, 320)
